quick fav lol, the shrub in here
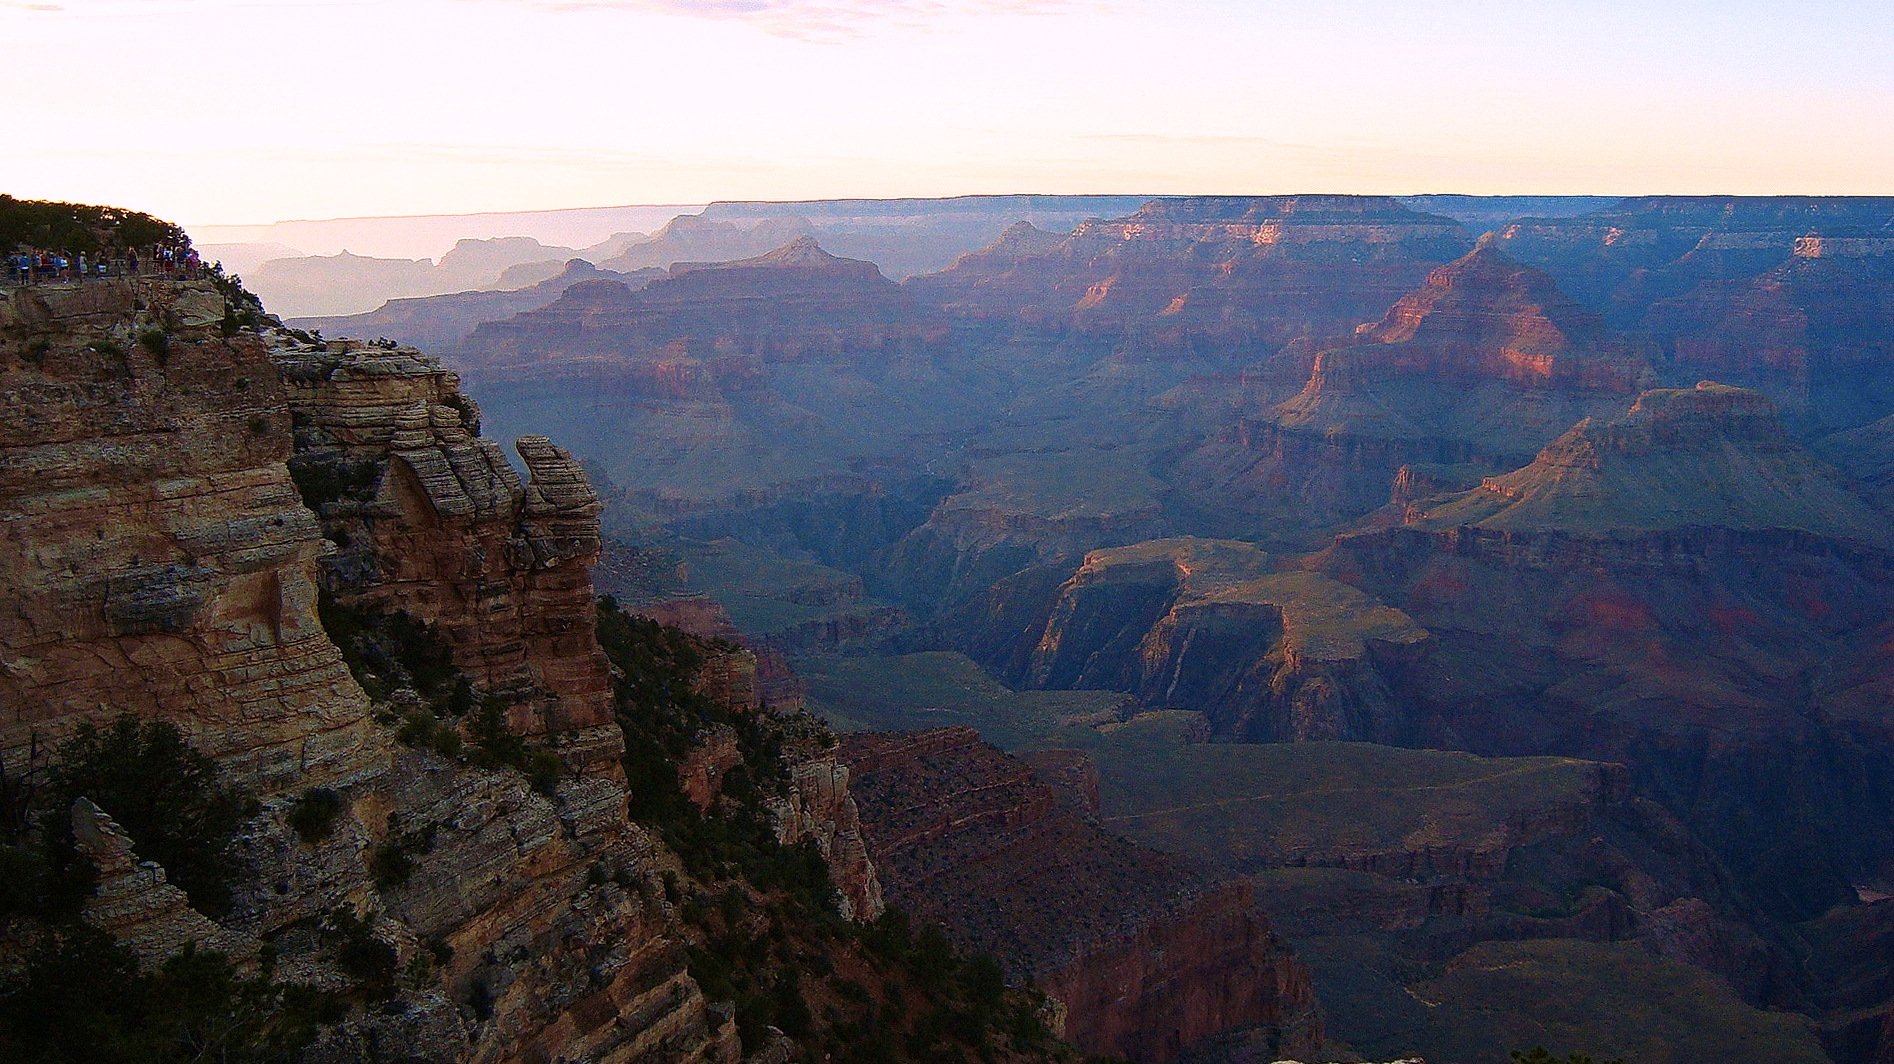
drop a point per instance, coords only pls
(80, 998)
(313, 814)
(158, 342)
(363, 957)
(164, 794)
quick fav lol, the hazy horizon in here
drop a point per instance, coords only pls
(222, 112)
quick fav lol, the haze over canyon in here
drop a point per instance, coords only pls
(1000, 628)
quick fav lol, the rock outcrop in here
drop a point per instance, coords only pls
(440, 527)
(1149, 955)
(135, 903)
(158, 554)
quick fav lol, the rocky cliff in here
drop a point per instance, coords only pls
(155, 443)
(158, 552)
(438, 526)
(1149, 956)
(416, 708)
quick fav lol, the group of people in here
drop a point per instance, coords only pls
(26, 267)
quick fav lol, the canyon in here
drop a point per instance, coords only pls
(1313, 626)
(1604, 485)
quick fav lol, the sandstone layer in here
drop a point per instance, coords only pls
(440, 527)
(161, 561)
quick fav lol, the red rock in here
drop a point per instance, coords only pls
(1478, 368)
(1148, 954)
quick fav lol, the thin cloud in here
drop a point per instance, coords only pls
(829, 20)
(30, 7)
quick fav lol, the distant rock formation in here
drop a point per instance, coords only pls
(1683, 589)
(1150, 956)
(1476, 369)
(1184, 275)
(1205, 625)
(1707, 457)
(725, 382)
(440, 323)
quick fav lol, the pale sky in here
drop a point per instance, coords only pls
(250, 111)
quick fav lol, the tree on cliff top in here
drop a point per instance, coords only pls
(56, 226)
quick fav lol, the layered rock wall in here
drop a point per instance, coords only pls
(438, 525)
(1149, 955)
(163, 565)
(158, 557)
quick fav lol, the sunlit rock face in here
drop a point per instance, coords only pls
(1474, 370)
(438, 524)
(152, 532)
(1226, 275)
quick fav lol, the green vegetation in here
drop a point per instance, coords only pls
(763, 915)
(49, 224)
(164, 794)
(323, 479)
(79, 996)
(243, 309)
(313, 815)
(81, 999)
(390, 650)
(158, 343)
(663, 716)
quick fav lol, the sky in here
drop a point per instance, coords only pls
(252, 111)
